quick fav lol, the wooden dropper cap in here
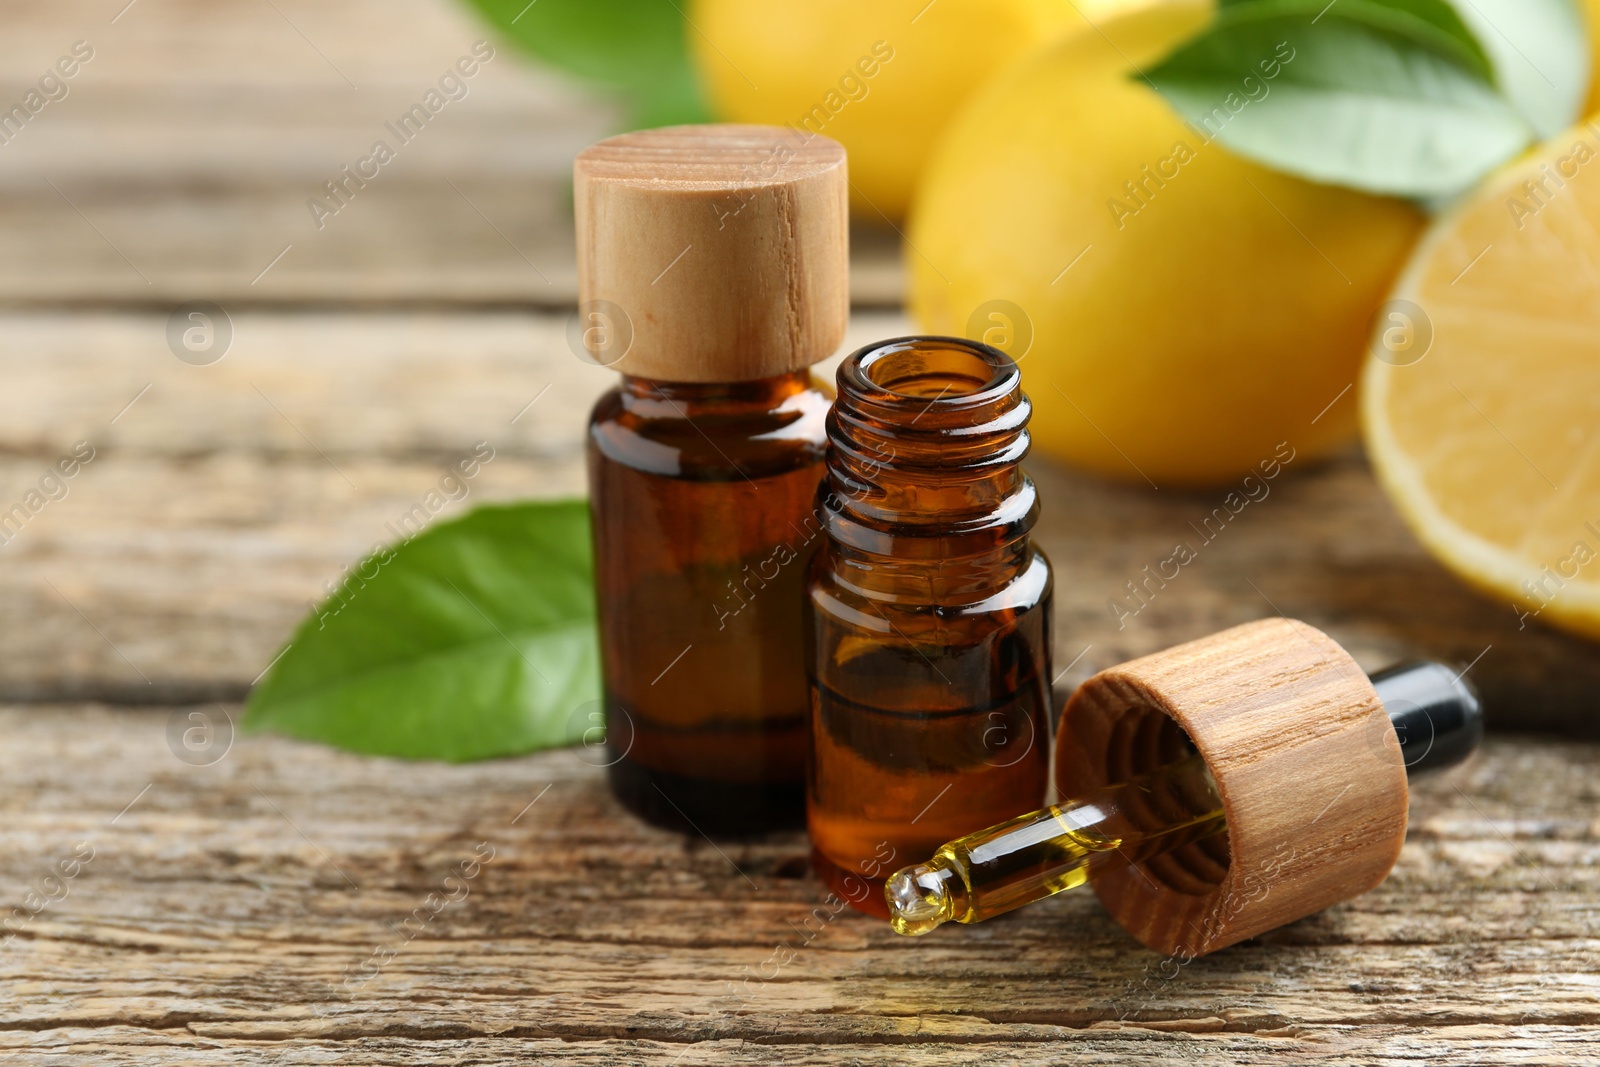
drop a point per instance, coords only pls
(1305, 760)
(712, 253)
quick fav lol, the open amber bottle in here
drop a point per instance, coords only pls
(713, 269)
(928, 612)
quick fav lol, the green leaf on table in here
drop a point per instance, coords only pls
(1363, 93)
(636, 48)
(474, 639)
(1540, 54)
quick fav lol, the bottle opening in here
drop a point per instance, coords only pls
(936, 368)
(925, 440)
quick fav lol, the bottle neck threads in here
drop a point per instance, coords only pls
(925, 445)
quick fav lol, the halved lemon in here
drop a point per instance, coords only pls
(1481, 401)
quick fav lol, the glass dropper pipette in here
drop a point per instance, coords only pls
(1436, 717)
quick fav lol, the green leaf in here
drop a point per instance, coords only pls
(1431, 23)
(1446, 33)
(635, 48)
(1540, 54)
(474, 639)
(1360, 93)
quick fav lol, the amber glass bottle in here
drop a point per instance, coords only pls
(928, 612)
(701, 561)
(712, 265)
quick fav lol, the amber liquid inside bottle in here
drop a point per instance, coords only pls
(702, 498)
(928, 613)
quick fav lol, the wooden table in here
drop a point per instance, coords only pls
(233, 909)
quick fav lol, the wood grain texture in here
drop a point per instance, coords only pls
(1307, 767)
(231, 909)
(186, 155)
(226, 497)
(226, 905)
(713, 253)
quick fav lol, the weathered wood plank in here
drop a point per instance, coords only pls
(226, 497)
(233, 909)
(183, 159)
(221, 502)
(1447, 1046)
(236, 906)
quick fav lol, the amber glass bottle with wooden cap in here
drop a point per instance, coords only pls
(713, 272)
(928, 612)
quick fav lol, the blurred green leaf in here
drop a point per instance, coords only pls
(635, 48)
(476, 638)
(1365, 94)
(1432, 23)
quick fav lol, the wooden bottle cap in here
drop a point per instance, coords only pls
(1312, 780)
(713, 253)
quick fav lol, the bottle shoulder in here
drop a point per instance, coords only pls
(709, 441)
(849, 585)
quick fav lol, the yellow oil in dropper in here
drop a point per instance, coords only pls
(1437, 720)
(1043, 853)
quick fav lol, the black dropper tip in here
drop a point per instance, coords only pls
(1435, 711)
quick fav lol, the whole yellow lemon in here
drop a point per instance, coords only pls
(882, 77)
(1184, 311)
